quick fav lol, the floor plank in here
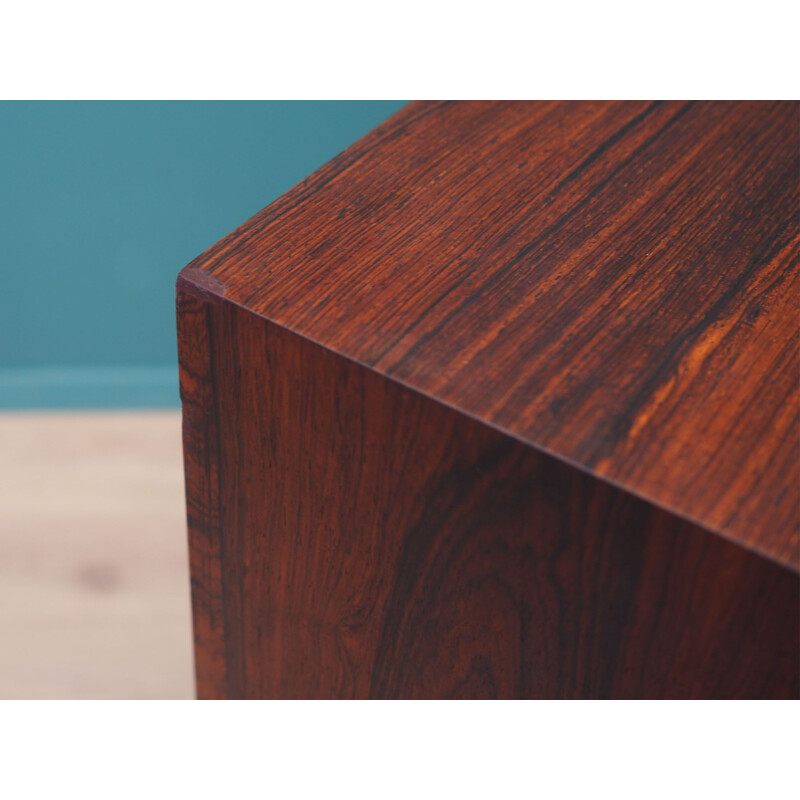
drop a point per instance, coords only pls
(94, 586)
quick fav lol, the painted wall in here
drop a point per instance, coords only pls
(101, 204)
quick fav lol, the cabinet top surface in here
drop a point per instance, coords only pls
(614, 283)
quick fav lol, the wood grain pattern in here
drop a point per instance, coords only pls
(197, 306)
(503, 402)
(376, 543)
(614, 283)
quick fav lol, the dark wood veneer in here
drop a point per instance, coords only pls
(503, 402)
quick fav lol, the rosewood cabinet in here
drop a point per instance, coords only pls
(503, 402)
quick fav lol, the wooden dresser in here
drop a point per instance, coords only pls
(503, 402)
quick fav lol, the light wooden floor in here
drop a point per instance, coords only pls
(94, 586)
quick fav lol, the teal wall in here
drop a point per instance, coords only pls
(102, 203)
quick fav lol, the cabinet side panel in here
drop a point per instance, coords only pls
(379, 544)
(197, 317)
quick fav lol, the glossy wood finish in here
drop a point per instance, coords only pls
(503, 402)
(611, 282)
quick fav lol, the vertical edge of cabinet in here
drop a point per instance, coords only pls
(198, 302)
(363, 540)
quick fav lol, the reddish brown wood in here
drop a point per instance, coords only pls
(503, 403)
(198, 307)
